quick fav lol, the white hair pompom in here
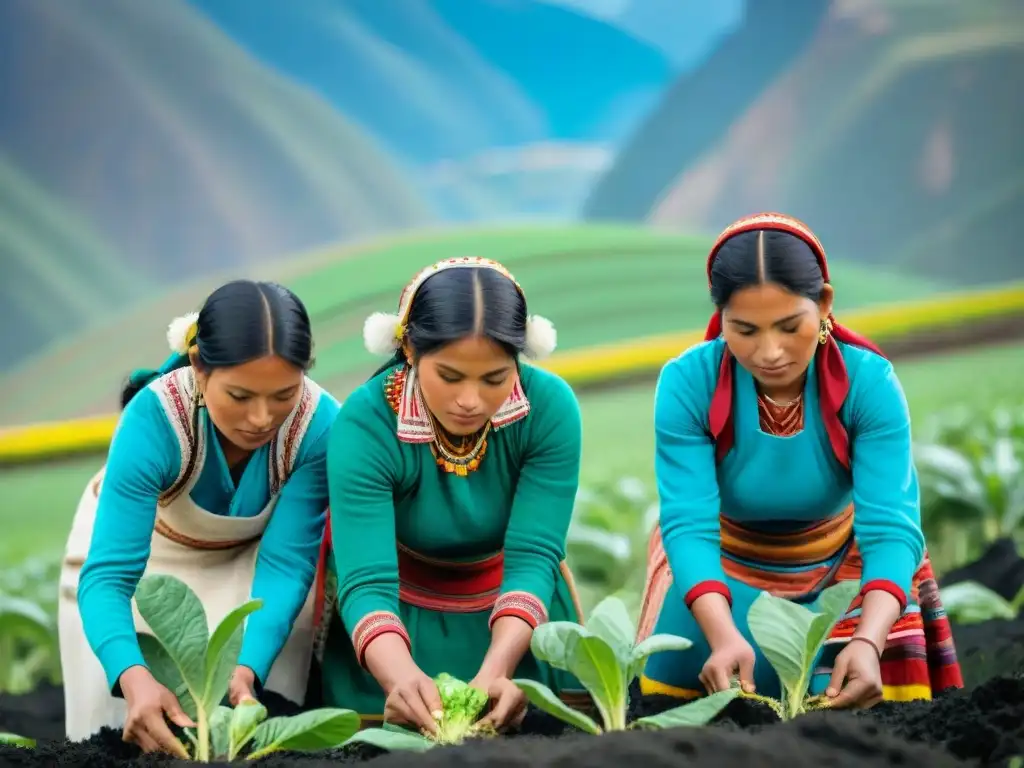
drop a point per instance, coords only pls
(380, 333)
(541, 337)
(178, 332)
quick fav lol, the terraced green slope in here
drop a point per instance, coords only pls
(596, 283)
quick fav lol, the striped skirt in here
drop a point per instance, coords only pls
(919, 658)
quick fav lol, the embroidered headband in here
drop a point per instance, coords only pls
(833, 379)
(383, 332)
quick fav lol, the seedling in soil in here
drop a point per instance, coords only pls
(183, 656)
(790, 636)
(14, 740)
(461, 705)
(601, 654)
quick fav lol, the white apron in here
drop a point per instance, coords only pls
(214, 554)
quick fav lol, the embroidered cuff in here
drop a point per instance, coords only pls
(372, 626)
(521, 604)
(705, 588)
(886, 586)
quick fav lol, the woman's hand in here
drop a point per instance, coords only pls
(242, 686)
(413, 701)
(507, 702)
(731, 657)
(148, 703)
(859, 667)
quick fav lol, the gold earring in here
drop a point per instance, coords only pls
(825, 330)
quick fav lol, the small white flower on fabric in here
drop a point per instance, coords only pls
(380, 333)
(541, 337)
(178, 330)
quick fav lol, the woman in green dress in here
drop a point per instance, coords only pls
(453, 473)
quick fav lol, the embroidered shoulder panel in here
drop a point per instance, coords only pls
(284, 448)
(177, 394)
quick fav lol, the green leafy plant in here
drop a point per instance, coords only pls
(971, 465)
(968, 602)
(29, 652)
(606, 546)
(12, 739)
(27, 644)
(461, 705)
(602, 655)
(790, 636)
(197, 666)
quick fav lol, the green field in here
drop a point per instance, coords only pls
(597, 283)
(618, 437)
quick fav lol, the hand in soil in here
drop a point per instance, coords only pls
(148, 702)
(414, 701)
(733, 657)
(507, 702)
(859, 666)
(242, 686)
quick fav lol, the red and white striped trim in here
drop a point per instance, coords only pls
(522, 605)
(372, 626)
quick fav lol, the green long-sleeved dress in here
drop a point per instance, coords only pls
(392, 503)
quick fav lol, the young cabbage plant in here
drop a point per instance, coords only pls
(601, 654)
(461, 705)
(790, 636)
(197, 666)
(14, 740)
(969, 602)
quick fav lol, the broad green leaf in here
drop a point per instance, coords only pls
(222, 653)
(166, 672)
(17, 741)
(220, 732)
(178, 621)
(308, 732)
(835, 601)
(593, 662)
(969, 602)
(550, 642)
(699, 712)
(392, 740)
(609, 620)
(651, 645)
(544, 699)
(24, 618)
(245, 718)
(780, 630)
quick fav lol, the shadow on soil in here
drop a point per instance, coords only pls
(981, 725)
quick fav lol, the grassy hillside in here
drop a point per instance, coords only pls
(596, 283)
(39, 501)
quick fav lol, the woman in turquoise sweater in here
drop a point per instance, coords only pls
(453, 473)
(783, 462)
(216, 474)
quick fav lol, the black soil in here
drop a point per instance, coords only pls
(980, 725)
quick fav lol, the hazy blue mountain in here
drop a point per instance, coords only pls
(137, 134)
(437, 79)
(896, 134)
(697, 111)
